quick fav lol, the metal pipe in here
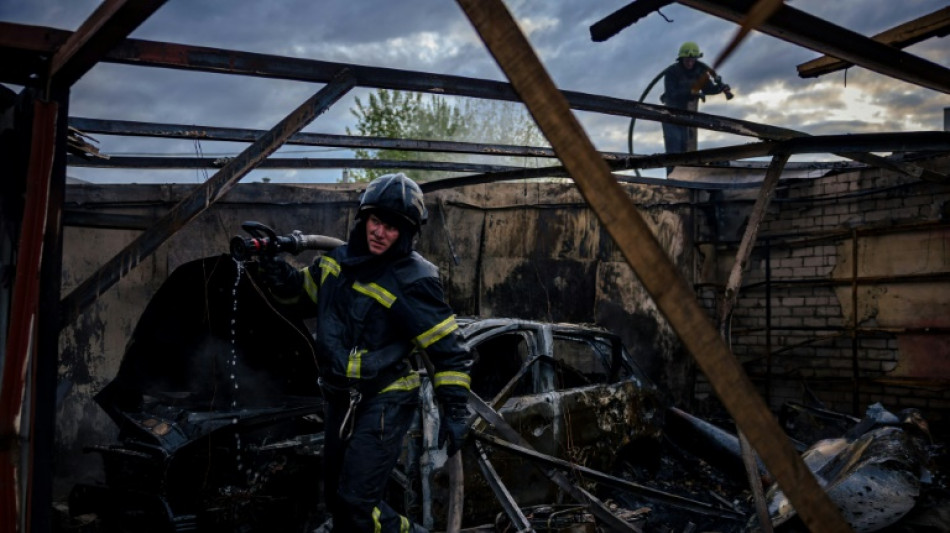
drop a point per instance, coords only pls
(856, 390)
(768, 322)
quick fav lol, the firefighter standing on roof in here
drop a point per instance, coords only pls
(683, 88)
(376, 300)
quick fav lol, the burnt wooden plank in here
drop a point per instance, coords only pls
(936, 24)
(653, 267)
(803, 29)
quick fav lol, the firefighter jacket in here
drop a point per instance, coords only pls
(368, 325)
(678, 84)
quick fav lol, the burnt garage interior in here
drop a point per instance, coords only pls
(744, 288)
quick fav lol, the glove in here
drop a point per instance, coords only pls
(283, 280)
(727, 90)
(452, 427)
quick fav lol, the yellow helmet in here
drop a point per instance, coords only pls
(690, 49)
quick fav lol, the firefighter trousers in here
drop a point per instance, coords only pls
(357, 468)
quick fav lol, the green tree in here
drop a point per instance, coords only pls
(400, 115)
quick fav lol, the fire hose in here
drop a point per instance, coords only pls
(633, 120)
(265, 242)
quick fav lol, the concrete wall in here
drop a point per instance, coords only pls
(797, 342)
(525, 250)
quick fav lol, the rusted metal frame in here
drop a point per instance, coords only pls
(768, 322)
(650, 493)
(653, 267)
(925, 141)
(21, 348)
(627, 15)
(202, 197)
(863, 331)
(84, 219)
(596, 507)
(505, 499)
(860, 280)
(170, 55)
(936, 24)
(205, 59)
(26, 51)
(688, 158)
(788, 240)
(108, 26)
(845, 144)
(46, 365)
(280, 163)
(727, 305)
(911, 141)
(39, 40)
(798, 27)
(209, 133)
(731, 293)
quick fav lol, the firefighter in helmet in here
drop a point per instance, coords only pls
(376, 300)
(685, 82)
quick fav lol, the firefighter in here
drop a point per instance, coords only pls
(683, 90)
(376, 300)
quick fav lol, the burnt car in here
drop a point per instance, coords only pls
(218, 413)
(573, 392)
(220, 418)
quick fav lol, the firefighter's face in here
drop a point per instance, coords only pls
(689, 63)
(380, 236)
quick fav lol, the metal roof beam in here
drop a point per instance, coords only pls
(177, 56)
(627, 15)
(215, 60)
(936, 24)
(108, 26)
(159, 162)
(809, 31)
(209, 133)
(201, 198)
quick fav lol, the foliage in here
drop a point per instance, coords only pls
(402, 115)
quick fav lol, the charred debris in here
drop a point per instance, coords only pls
(568, 434)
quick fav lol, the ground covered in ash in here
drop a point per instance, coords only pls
(664, 466)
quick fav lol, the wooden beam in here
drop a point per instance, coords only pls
(203, 196)
(652, 266)
(727, 305)
(798, 27)
(108, 26)
(936, 24)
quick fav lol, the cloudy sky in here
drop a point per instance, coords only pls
(434, 36)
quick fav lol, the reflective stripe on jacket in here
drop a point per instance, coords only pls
(367, 328)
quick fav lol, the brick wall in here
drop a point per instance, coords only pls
(805, 328)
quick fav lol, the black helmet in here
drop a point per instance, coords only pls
(395, 194)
